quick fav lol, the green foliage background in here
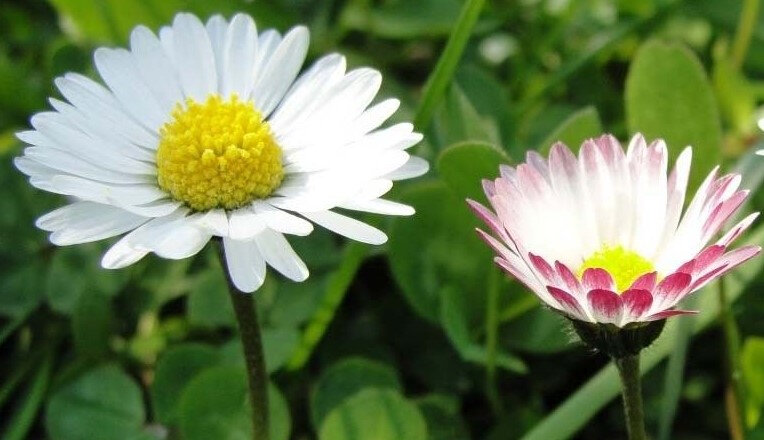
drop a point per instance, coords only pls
(421, 338)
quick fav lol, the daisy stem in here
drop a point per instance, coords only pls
(245, 309)
(734, 392)
(628, 369)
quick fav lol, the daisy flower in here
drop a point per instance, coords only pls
(209, 130)
(601, 238)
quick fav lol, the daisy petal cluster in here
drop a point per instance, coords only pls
(210, 130)
(603, 238)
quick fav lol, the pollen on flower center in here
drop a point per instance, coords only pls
(218, 154)
(624, 266)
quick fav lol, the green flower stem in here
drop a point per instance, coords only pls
(748, 16)
(628, 369)
(440, 78)
(249, 330)
(491, 340)
(734, 394)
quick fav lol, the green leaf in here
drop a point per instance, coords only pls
(374, 414)
(668, 96)
(208, 303)
(441, 412)
(460, 121)
(91, 325)
(463, 167)
(453, 321)
(278, 346)
(21, 290)
(573, 414)
(537, 331)
(436, 248)
(403, 20)
(752, 359)
(581, 125)
(215, 405)
(344, 379)
(105, 403)
(175, 369)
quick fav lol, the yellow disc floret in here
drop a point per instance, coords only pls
(218, 154)
(624, 266)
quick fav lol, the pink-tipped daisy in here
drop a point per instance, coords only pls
(210, 130)
(601, 237)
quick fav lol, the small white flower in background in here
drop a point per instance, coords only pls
(601, 237)
(208, 130)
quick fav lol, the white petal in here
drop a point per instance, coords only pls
(244, 224)
(280, 70)
(346, 226)
(282, 221)
(194, 57)
(379, 206)
(215, 221)
(217, 26)
(83, 222)
(239, 55)
(183, 241)
(246, 264)
(280, 255)
(414, 167)
(155, 68)
(121, 255)
(117, 68)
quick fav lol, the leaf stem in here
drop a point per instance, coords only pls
(748, 16)
(245, 310)
(628, 369)
(444, 70)
(734, 393)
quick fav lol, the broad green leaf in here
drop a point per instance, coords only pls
(438, 247)
(752, 362)
(573, 414)
(374, 414)
(175, 369)
(278, 346)
(402, 20)
(459, 121)
(21, 290)
(463, 166)
(488, 96)
(345, 378)
(537, 331)
(208, 303)
(91, 324)
(453, 321)
(581, 125)
(668, 95)
(215, 405)
(441, 412)
(104, 403)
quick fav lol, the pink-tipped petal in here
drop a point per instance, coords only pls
(568, 303)
(669, 313)
(671, 290)
(568, 278)
(736, 230)
(708, 256)
(489, 188)
(688, 267)
(488, 217)
(543, 268)
(606, 306)
(645, 282)
(706, 278)
(636, 302)
(735, 258)
(597, 278)
(495, 244)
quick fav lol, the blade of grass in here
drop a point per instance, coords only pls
(22, 420)
(672, 383)
(440, 78)
(491, 332)
(582, 405)
(352, 258)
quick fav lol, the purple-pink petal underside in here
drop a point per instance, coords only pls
(636, 302)
(645, 282)
(568, 303)
(597, 278)
(606, 305)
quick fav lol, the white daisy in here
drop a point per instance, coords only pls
(601, 238)
(209, 131)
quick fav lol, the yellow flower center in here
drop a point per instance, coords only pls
(623, 265)
(218, 154)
